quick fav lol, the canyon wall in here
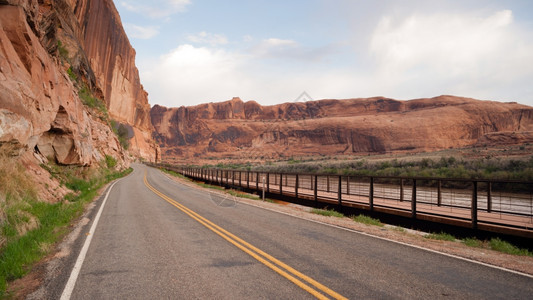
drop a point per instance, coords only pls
(67, 70)
(249, 131)
(112, 59)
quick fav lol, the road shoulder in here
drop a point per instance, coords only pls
(520, 264)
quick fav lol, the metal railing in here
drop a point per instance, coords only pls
(501, 206)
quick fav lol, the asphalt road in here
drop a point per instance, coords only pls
(158, 239)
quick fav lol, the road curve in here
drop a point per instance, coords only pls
(160, 239)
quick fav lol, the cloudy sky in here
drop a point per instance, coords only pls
(271, 51)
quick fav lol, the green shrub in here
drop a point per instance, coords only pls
(121, 131)
(63, 52)
(502, 246)
(441, 236)
(327, 212)
(110, 161)
(473, 242)
(89, 100)
(72, 75)
(367, 220)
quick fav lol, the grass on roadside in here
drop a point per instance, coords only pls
(327, 212)
(472, 242)
(175, 174)
(243, 195)
(503, 246)
(367, 220)
(497, 244)
(443, 236)
(209, 186)
(399, 229)
(28, 227)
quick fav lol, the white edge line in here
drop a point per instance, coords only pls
(69, 287)
(397, 242)
(388, 240)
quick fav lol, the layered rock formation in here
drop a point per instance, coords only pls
(52, 54)
(112, 59)
(249, 131)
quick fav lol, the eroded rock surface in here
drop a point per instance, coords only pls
(50, 50)
(248, 131)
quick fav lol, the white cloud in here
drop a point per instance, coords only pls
(464, 54)
(208, 38)
(156, 8)
(190, 75)
(274, 47)
(140, 32)
(413, 56)
(289, 50)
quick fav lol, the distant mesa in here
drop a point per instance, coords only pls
(249, 131)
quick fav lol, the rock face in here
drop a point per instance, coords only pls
(248, 131)
(112, 59)
(53, 54)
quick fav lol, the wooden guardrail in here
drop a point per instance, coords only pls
(491, 205)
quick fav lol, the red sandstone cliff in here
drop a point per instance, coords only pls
(249, 131)
(51, 53)
(112, 59)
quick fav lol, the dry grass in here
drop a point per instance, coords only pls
(16, 188)
(14, 182)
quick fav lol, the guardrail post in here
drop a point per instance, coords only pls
(439, 194)
(489, 196)
(327, 182)
(257, 181)
(413, 201)
(371, 194)
(240, 178)
(232, 177)
(281, 183)
(401, 189)
(248, 179)
(268, 182)
(348, 185)
(296, 187)
(339, 191)
(316, 190)
(474, 205)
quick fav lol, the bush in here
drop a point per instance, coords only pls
(63, 52)
(121, 131)
(72, 75)
(110, 161)
(441, 236)
(502, 246)
(367, 220)
(473, 242)
(327, 213)
(89, 100)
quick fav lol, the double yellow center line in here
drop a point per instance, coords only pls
(305, 282)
